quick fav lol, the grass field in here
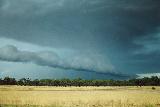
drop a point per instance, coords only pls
(30, 96)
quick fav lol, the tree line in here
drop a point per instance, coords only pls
(153, 81)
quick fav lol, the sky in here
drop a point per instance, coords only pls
(90, 39)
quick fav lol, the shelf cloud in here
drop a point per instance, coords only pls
(47, 58)
(101, 36)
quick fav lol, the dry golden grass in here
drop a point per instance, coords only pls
(80, 96)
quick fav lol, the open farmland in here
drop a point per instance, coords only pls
(79, 96)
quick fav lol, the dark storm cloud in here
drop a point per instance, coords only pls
(114, 28)
(12, 54)
(149, 56)
(136, 19)
(91, 21)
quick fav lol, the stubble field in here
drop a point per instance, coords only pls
(31, 96)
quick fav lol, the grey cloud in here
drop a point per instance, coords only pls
(150, 43)
(12, 54)
(109, 27)
(42, 7)
(122, 21)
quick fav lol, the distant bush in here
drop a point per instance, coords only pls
(153, 81)
(153, 88)
(149, 106)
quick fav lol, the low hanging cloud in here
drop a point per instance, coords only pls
(148, 75)
(10, 53)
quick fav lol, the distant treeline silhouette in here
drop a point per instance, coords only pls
(152, 81)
